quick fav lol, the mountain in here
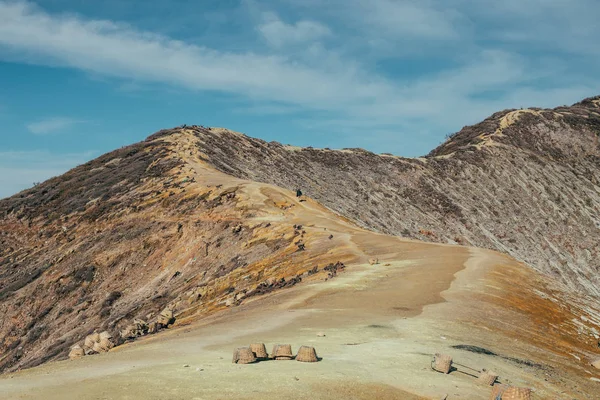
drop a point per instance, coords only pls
(196, 220)
(139, 230)
(523, 182)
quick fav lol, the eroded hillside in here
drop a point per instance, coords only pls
(179, 221)
(138, 230)
(524, 182)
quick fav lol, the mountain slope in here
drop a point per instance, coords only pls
(379, 324)
(141, 229)
(524, 182)
(180, 221)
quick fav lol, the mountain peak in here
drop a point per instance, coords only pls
(563, 132)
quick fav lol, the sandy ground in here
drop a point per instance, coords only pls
(382, 324)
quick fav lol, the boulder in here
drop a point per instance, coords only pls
(76, 352)
(154, 327)
(88, 342)
(240, 296)
(596, 363)
(89, 351)
(137, 329)
(130, 332)
(166, 317)
(141, 323)
(103, 345)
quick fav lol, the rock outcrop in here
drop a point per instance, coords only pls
(93, 344)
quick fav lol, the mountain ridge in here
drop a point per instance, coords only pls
(180, 219)
(585, 112)
(540, 171)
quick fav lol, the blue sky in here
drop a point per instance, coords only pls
(80, 78)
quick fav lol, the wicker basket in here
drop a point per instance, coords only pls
(259, 350)
(243, 355)
(487, 378)
(497, 391)
(307, 354)
(503, 392)
(282, 352)
(442, 363)
(515, 393)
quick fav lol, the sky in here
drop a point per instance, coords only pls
(80, 78)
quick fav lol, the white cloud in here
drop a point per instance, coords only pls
(51, 125)
(413, 18)
(333, 84)
(118, 50)
(324, 73)
(278, 33)
(20, 169)
(565, 26)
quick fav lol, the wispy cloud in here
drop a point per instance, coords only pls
(52, 125)
(421, 19)
(20, 169)
(119, 50)
(278, 33)
(566, 26)
(329, 73)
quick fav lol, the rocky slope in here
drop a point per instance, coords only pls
(524, 182)
(179, 221)
(142, 229)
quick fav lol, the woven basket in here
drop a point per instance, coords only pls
(243, 355)
(497, 391)
(259, 350)
(515, 393)
(307, 354)
(76, 352)
(282, 352)
(442, 363)
(487, 378)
